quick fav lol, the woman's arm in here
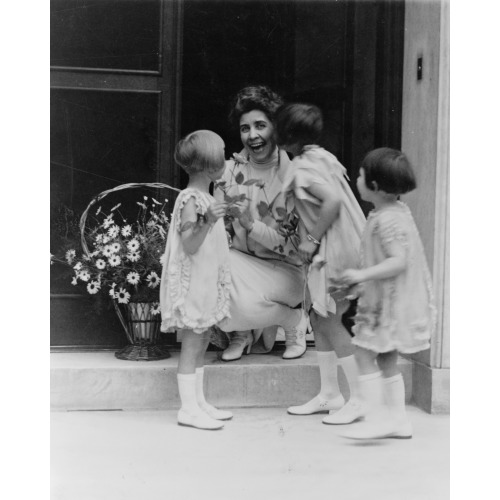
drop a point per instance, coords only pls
(193, 233)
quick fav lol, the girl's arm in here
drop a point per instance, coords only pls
(389, 268)
(193, 237)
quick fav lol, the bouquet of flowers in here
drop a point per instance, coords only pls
(124, 257)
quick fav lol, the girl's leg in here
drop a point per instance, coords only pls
(394, 393)
(200, 395)
(329, 397)
(190, 414)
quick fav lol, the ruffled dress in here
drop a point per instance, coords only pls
(395, 313)
(339, 246)
(195, 289)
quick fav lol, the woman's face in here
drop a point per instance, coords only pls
(257, 135)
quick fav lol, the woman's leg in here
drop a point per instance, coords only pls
(212, 411)
(190, 414)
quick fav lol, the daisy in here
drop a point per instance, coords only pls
(98, 238)
(105, 239)
(116, 247)
(84, 275)
(133, 278)
(153, 280)
(114, 260)
(133, 256)
(112, 292)
(133, 245)
(100, 264)
(108, 221)
(113, 231)
(93, 287)
(123, 296)
(78, 266)
(156, 309)
(107, 251)
(70, 256)
(127, 230)
(74, 281)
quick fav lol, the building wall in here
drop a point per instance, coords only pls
(425, 139)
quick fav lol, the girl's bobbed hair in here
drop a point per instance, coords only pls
(298, 124)
(199, 151)
(390, 169)
(251, 98)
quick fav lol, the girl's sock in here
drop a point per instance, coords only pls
(202, 402)
(371, 391)
(350, 368)
(328, 372)
(187, 392)
(394, 393)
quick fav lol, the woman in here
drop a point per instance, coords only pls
(267, 273)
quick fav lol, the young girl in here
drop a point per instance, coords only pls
(331, 224)
(195, 281)
(395, 307)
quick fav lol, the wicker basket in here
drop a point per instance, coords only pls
(141, 326)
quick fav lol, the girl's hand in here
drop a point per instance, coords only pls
(352, 277)
(215, 211)
(307, 249)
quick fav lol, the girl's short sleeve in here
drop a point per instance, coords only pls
(184, 197)
(391, 228)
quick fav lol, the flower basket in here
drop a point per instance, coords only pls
(127, 259)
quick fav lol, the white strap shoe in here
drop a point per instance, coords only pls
(199, 420)
(317, 405)
(348, 414)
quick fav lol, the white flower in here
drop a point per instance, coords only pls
(133, 256)
(93, 287)
(133, 245)
(100, 264)
(116, 247)
(70, 256)
(127, 230)
(108, 221)
(84, 275)
(123, 296)
(153, 280)
(133, 278)
(156, 309)
(113, 231)
(112, 292)
(74, 281)
(114, 261)
(78, 266)
(107, 251)
(105, 239)
(98, 238)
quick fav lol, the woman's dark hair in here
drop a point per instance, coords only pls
(298, 124)
(390, 169)
(254, 97)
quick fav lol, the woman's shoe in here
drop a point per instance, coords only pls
(239, 342)
(349, 413)
(318, 405)
(215, 413)
(295, 339)
(199, 420)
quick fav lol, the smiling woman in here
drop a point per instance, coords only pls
(267, 273)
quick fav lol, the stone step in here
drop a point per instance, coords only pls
(99, 381)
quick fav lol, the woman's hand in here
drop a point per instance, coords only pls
(245, 218)
(307, 249)
(215, 211)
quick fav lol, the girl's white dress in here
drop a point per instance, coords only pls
(194, 289)
(339, 246)
(395, 313)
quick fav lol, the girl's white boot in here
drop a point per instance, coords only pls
(191, 414)
(212, 411)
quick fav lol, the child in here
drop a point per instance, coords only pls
(395, 307)
(195, 281)
(331, 224)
